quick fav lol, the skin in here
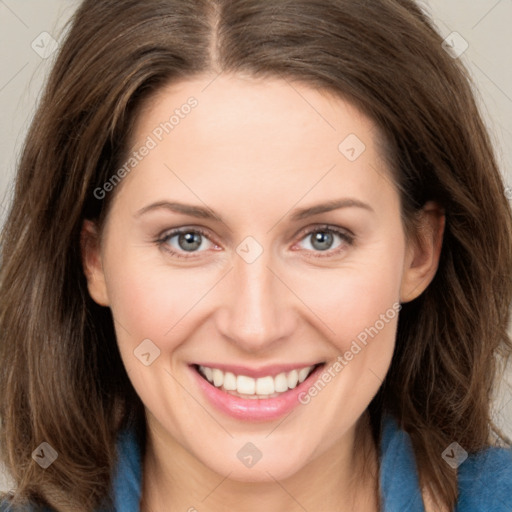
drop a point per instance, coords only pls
(253, 151)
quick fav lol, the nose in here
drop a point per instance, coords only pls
(257, 310)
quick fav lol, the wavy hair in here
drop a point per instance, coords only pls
(61, 375)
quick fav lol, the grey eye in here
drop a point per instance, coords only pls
(189, 241)
(322, 240)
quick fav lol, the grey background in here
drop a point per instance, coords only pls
(484, 24)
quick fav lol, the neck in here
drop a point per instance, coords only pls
(345, 478)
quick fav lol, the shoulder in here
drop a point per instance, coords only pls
(485, 480)
(399, 483)
(126, 479)
(128, 473)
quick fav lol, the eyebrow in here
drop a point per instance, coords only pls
(298, 214)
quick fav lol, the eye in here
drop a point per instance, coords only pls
(178, 242)
(186, 240)
(322, 238)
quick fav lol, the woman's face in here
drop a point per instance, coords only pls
(292, 255)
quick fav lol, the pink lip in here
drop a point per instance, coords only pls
(264, 409)
(272, 370)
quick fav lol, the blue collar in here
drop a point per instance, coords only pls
(484, 479)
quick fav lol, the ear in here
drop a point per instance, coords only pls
(92, 264)
(423, 252)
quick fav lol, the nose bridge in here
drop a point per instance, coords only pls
(258, 312)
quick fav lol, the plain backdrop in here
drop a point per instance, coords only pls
(29, 30)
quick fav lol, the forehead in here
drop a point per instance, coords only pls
(233, 111)
(248, 138)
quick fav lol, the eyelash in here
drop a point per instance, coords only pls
(348, 239)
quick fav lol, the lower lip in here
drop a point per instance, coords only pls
(258, 409)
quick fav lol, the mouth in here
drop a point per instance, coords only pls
(267, 386)
(255, 395)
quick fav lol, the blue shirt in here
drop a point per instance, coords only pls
(484, 478)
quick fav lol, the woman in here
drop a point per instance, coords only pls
(258, 258)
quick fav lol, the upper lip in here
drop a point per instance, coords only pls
(262, 371)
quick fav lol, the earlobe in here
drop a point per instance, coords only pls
(423, 252)
(92, 263)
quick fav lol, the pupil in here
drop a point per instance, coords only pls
(323, 238)
(192, 239)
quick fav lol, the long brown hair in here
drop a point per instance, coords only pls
(61, 375)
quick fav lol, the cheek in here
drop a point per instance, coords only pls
(150, 299)
(151, 305)
(361, 296)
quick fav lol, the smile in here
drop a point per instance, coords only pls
(254, 395)
(263, 387)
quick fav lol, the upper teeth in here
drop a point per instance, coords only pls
(259, 388)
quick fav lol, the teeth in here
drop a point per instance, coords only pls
(303, 374)
(293, 378)
(245, 385)
(208, 373)
(229, 381)
(263, 387)
(218, 378)
(281, 383)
